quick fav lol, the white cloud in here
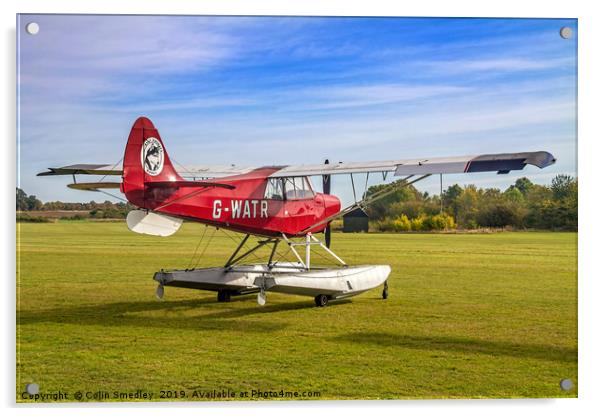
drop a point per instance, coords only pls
(372, 94)
(125, 44)
(496, 65)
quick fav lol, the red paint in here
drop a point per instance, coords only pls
(218, 206)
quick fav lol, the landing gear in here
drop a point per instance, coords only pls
(321, 300)
(386, 290)
(223, 296)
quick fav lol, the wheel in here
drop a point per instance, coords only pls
(223, 296)
(321, 300)
(386, 291)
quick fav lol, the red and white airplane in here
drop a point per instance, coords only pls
(276, 203)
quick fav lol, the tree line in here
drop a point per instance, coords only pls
(524, 205)
(106, 209)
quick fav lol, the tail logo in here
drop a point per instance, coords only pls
(152, 156)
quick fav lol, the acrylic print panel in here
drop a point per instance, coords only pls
(173, 249)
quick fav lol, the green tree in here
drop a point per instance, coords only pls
(21, 200)
(563, 186)
(513, 194)
(34, 203)
(27, 202)
(450, 199)
(467, 207)
(524, 185)
(380, 208)
(498, 215)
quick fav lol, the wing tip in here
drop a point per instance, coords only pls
(541, 159)
(48, 172)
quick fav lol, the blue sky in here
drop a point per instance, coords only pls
(289, 90)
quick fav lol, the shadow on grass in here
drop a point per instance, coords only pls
(271, 308)
(215, 316)
(129, 314)
(463, 345)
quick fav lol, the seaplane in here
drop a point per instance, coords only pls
(276, 205)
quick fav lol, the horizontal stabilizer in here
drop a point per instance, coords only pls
(94, 186)
(82, 169)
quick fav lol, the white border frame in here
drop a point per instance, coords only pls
(590, 32)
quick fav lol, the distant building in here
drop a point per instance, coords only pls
(355, 221)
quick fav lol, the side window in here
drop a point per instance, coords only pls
(298, 188)
(289, 186)
(309, 192)
(273, 189)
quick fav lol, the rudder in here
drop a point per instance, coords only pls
(145, 161)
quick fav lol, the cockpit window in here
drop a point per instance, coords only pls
(298, 188)
(273, 190)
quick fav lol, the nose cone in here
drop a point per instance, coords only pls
(332, 205)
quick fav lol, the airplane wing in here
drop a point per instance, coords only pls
(501, 162)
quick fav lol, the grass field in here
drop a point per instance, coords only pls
(469, 315)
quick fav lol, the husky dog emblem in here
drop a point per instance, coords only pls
(152, 156)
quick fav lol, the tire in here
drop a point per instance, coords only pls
(321, 300)
(223, 296)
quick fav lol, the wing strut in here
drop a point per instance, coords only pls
(441, 192)
(387, 190)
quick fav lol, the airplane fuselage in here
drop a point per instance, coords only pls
(257, 205)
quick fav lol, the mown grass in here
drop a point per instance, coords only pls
(485, 315)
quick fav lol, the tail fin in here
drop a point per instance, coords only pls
(146, 161)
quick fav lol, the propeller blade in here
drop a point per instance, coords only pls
(326, 181)
(326, 191)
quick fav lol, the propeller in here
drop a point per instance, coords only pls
(326, 191)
